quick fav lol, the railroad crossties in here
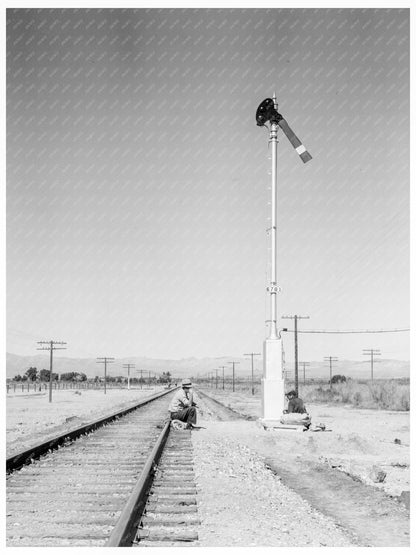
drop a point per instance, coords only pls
(132, 482)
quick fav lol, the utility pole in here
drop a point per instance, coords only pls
(105, 361)
(304, 364)
(216, 377)
(296, 318)
(128, 366)
(233, 362)
(141, 377)
(223, 380)
(51, 348)
(252, 355)
(330, 360)
(372, 353)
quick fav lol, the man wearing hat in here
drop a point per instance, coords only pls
(295, 403)
(182, 406)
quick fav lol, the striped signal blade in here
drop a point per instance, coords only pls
(295, 142)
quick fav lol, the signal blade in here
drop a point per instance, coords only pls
(295, 142)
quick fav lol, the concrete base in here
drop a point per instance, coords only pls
(272, 384)
(277, 425)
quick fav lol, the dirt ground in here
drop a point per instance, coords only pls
(356, 475)
(343, 487)
(31, 418)
(361, 442)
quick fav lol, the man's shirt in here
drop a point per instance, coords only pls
(296, 405)
(181, 401)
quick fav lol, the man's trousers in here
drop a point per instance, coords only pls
(187, 415)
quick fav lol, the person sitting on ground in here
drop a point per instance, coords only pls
(295, 403)
(182, 406)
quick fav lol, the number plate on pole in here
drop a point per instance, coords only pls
(274, 289)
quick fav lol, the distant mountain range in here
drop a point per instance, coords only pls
(194, 367)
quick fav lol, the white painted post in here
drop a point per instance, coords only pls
(272, 383)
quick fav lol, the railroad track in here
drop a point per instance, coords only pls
(74, 495)
(170, 517)
(130, 483)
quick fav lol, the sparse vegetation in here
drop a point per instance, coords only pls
(338, 378)
(393, 394)
(379, 394)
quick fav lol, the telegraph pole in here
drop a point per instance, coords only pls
(223, 380)
(128, 366)
(330, 360)
(105, 361)
(372, 353)
(51, 348)
(216, 377)
(304, 364)
(252, 355)
(296, 318)
(141, 377)
(233, 362)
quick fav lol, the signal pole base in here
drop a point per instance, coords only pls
(272, 383)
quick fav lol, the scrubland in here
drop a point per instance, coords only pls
(393, 394)
(377, 394)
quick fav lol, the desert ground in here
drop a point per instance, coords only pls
(348, 486)
(31, 418)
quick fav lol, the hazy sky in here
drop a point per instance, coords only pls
(138, 183)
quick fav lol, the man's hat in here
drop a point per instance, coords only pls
(292, 392)
(186, 383)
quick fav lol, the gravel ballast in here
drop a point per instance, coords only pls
(242, 503)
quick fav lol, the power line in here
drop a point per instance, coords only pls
(351, 331)
(304, 364)
(51, 348)
(105, 361)
(216, 377)
(141, 377)
(252, 355)
(222, 376)
(233, 362)
(128, 366)
(372, 352)
(331, 360)
(296, 318)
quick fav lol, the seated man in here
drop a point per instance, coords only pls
(296, 413)
(295, 403)
(182, 406)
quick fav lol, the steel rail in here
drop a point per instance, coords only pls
(229, 410)
(16, 461)
(125, 529)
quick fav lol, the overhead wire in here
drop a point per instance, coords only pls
(351, 331)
